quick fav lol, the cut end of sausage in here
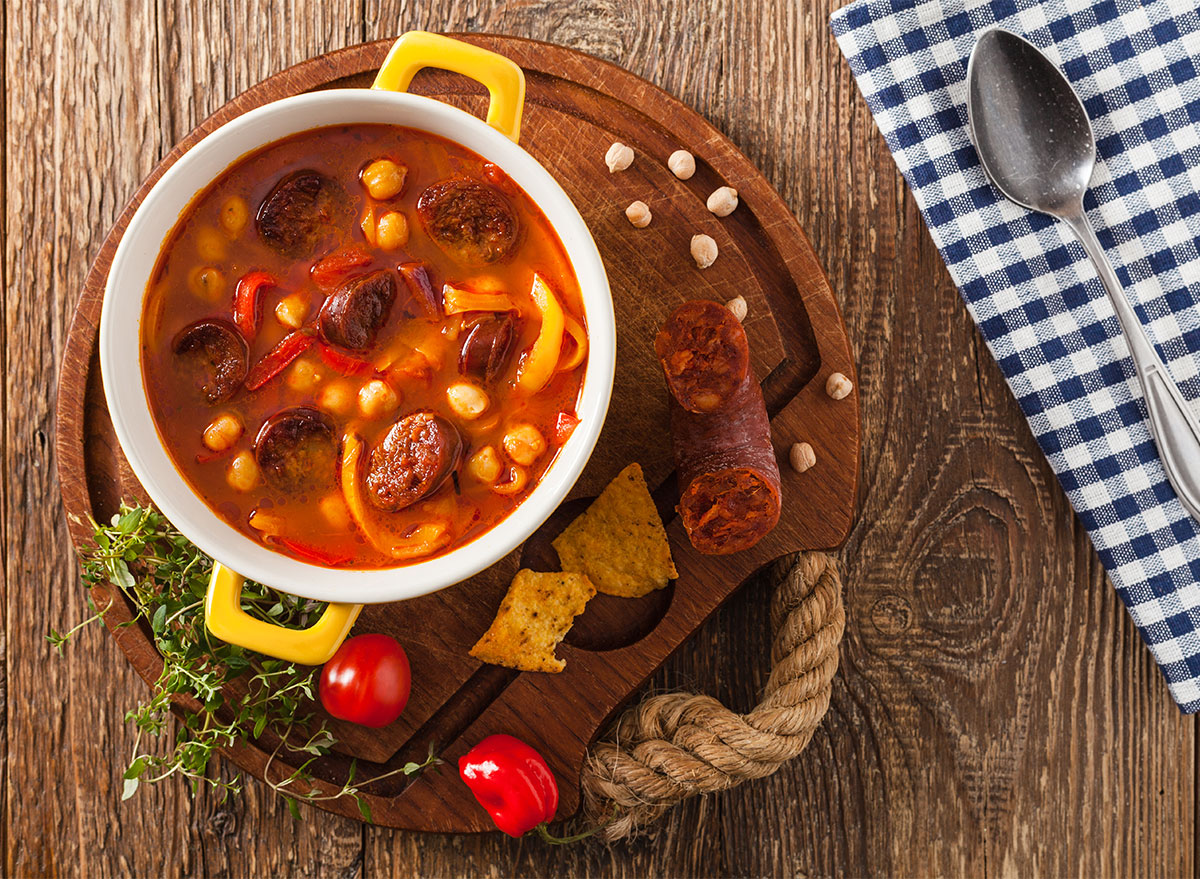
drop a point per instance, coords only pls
(299, 211)
(217, 353)
(414, 460)
(472, 222)
(352, 315)
(729, 510)
(704, 355)
(487, 348)
(296, 449)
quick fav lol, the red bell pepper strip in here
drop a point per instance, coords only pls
(329, 271)
(273, 363)
(313, 553)
(344, 363)
(564, 426)
(416, 277)
(247, 301)
(512, 782)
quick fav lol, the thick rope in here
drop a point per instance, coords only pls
(673, 746)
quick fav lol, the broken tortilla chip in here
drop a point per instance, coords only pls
(533, 618)
(619, 542)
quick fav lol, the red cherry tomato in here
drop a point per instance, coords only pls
(367, 681)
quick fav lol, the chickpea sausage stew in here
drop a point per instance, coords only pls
(363, 346)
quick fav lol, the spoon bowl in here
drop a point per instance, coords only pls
(1031, 131)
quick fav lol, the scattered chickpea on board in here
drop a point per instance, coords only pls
(682, 164)
(638, 214)
(704, 250)
(618, 158)
(737, 306)
(802, 457)
(723, 201)
(838, 386)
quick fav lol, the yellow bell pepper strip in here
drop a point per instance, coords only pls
(456, 300)
(518, 478)
(537, 367)
(425, 539)
(575, 331)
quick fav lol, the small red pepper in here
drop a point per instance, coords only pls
(247, 301)
(344, 363)
(273, 363)
(512, 782)
(329, 271)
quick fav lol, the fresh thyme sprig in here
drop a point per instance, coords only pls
(240, 695)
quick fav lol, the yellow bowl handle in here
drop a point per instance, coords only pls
(504, 79)
(225, 618)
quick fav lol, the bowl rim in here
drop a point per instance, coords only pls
(128, 403)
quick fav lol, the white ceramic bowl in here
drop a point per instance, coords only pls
(133, 266)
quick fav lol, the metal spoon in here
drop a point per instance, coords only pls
(1036, 144)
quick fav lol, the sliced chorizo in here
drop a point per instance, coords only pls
(352, 314)
(296, 449)
(299, 211)
(415, 459)
(217, 353)
(472, 222)
(704, 354)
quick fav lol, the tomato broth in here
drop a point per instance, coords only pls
(363, 346)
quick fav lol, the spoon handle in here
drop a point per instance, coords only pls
(1172, 423)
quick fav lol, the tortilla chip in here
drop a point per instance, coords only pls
(534, 616)
(619, 542)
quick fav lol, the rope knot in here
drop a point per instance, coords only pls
(673, 746)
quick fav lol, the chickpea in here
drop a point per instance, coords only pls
(618, 158)
(292, 310)
(392, 231)
(737, 307)
(304, 376)
(802, 457)
(682, 164)
(524, 443)
(242, 474)
(376, 398)
(336, 397)
(384, 179)
(838, 386)
(723, 201)
(704, 250)
(210, 244)
(467, 400)
(335, 511)
(234, 216)
(485, 465)
(207, 282)
(225, 430)
(638, 213)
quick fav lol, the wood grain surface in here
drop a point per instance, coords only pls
(995, 713)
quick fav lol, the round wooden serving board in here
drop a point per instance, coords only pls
(576, 107)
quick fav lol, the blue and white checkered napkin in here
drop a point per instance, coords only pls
(1029, 285)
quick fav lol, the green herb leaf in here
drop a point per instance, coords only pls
(365, 808)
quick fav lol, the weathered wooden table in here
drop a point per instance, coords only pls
(996, 712)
